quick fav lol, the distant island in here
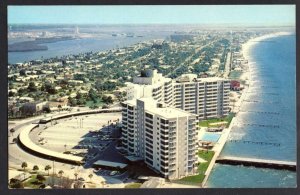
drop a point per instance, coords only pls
(35, 45)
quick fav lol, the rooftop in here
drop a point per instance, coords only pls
(110, 164)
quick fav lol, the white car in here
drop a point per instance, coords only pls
(113, 173)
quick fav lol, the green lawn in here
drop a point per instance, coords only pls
(206, 123)
(99, 103)
(133, 185)
(32, 182)
(197, 179)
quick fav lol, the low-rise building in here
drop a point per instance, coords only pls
(33, 107)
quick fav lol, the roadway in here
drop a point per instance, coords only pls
(17, 155)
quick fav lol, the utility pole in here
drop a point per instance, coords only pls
(53, 173)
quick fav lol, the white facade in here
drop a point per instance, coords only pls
(159, 118)
(206, 97)
(151, 84)
(164, 137)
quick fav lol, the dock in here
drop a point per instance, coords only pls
(262, 163)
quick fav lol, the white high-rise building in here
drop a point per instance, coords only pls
(159, 118)
(206, 97)
(151, 84)
(164, 137)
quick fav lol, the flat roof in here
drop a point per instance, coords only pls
(134, 158)
(212, 79)
(166, 112)
(110, 164)
(170, 112)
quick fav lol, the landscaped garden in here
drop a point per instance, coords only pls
(217, 122)
(202, 167)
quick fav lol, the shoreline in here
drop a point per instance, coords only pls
(246, 52)
(246, 76)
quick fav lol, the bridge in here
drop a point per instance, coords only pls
(262, 163)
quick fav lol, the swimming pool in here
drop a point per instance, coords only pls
(212, 137)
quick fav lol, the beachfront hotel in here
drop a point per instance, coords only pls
(164, 137)
(206, 97)
(160, 115)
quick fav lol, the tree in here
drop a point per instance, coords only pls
(40, 177)
(35, 168)
(59, 107)
(60, 173)
(90, 176)
(46, 109)
(17, 184)
(93, 95)
(75, 174)
(31, 87)
(10, 94)
(12, 130)
(78, 95)
(15, 140)
(50, 88)
(24, 165)
(104, 106)
(107, 99)
(81, 101)
(47, 168)
(22, 72)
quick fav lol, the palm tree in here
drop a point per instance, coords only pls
(15, 140)
(75, 174)
(35, 168)
(60, 173)
(47, 168)
(24, 165)
(90, 176)
(12, 130)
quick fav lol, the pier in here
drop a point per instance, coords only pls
(262, 163)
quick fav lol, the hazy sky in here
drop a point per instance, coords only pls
(201, 14)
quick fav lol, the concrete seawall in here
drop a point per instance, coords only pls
(217, 149)
(262, 163)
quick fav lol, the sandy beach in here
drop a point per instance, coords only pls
(246, 47)
(246, 51)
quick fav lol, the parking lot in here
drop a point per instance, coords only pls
(77, 134)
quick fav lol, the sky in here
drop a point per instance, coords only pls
(168, 14)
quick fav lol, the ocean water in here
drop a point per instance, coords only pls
(273, 90)
(83, 45)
